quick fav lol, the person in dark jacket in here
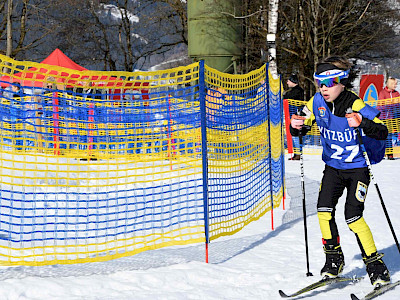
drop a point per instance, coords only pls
(295, 92)
(88, 91)
(338, 112)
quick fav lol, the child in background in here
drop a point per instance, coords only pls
(389, 92)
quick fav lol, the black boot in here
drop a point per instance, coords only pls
(376, 269)
(334, 261)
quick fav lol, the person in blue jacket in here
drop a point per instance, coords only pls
(337, 112)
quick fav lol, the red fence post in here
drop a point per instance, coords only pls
(287, 124)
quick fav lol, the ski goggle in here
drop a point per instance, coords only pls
(329, 80)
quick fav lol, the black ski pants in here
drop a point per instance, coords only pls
(334, 182)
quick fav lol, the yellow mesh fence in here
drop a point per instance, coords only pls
(96, 166)
(245, 148)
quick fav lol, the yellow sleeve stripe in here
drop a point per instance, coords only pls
(309, 105)
(359, 104)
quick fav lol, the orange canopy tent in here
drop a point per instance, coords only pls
(34, 77)
(58, 58)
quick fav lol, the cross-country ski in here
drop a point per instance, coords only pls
(321, 283)
(377, 291)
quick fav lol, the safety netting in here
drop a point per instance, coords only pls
(311, 141)
(100, 165)
(244, 140)
(389, 114)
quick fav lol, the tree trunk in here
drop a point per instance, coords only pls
(9, 28)
(271, 37)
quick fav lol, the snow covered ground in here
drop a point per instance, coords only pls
(252, 264)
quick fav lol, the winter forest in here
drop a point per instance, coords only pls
(141, 34)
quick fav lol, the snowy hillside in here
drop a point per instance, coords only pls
(252, 264)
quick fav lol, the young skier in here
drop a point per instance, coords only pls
(345, 167)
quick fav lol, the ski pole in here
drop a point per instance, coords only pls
(303, 189)
(360, 141)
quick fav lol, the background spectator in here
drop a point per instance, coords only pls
(16, 101)
(388, 93)
(295, 92)
(87, 91)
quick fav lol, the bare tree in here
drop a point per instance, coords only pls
(127, 35)
(9, 28)
(312, 29)
(22, 25)
(271, 37)
(124, 34)
(103, 40)
(178, 10)
(167, 18)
